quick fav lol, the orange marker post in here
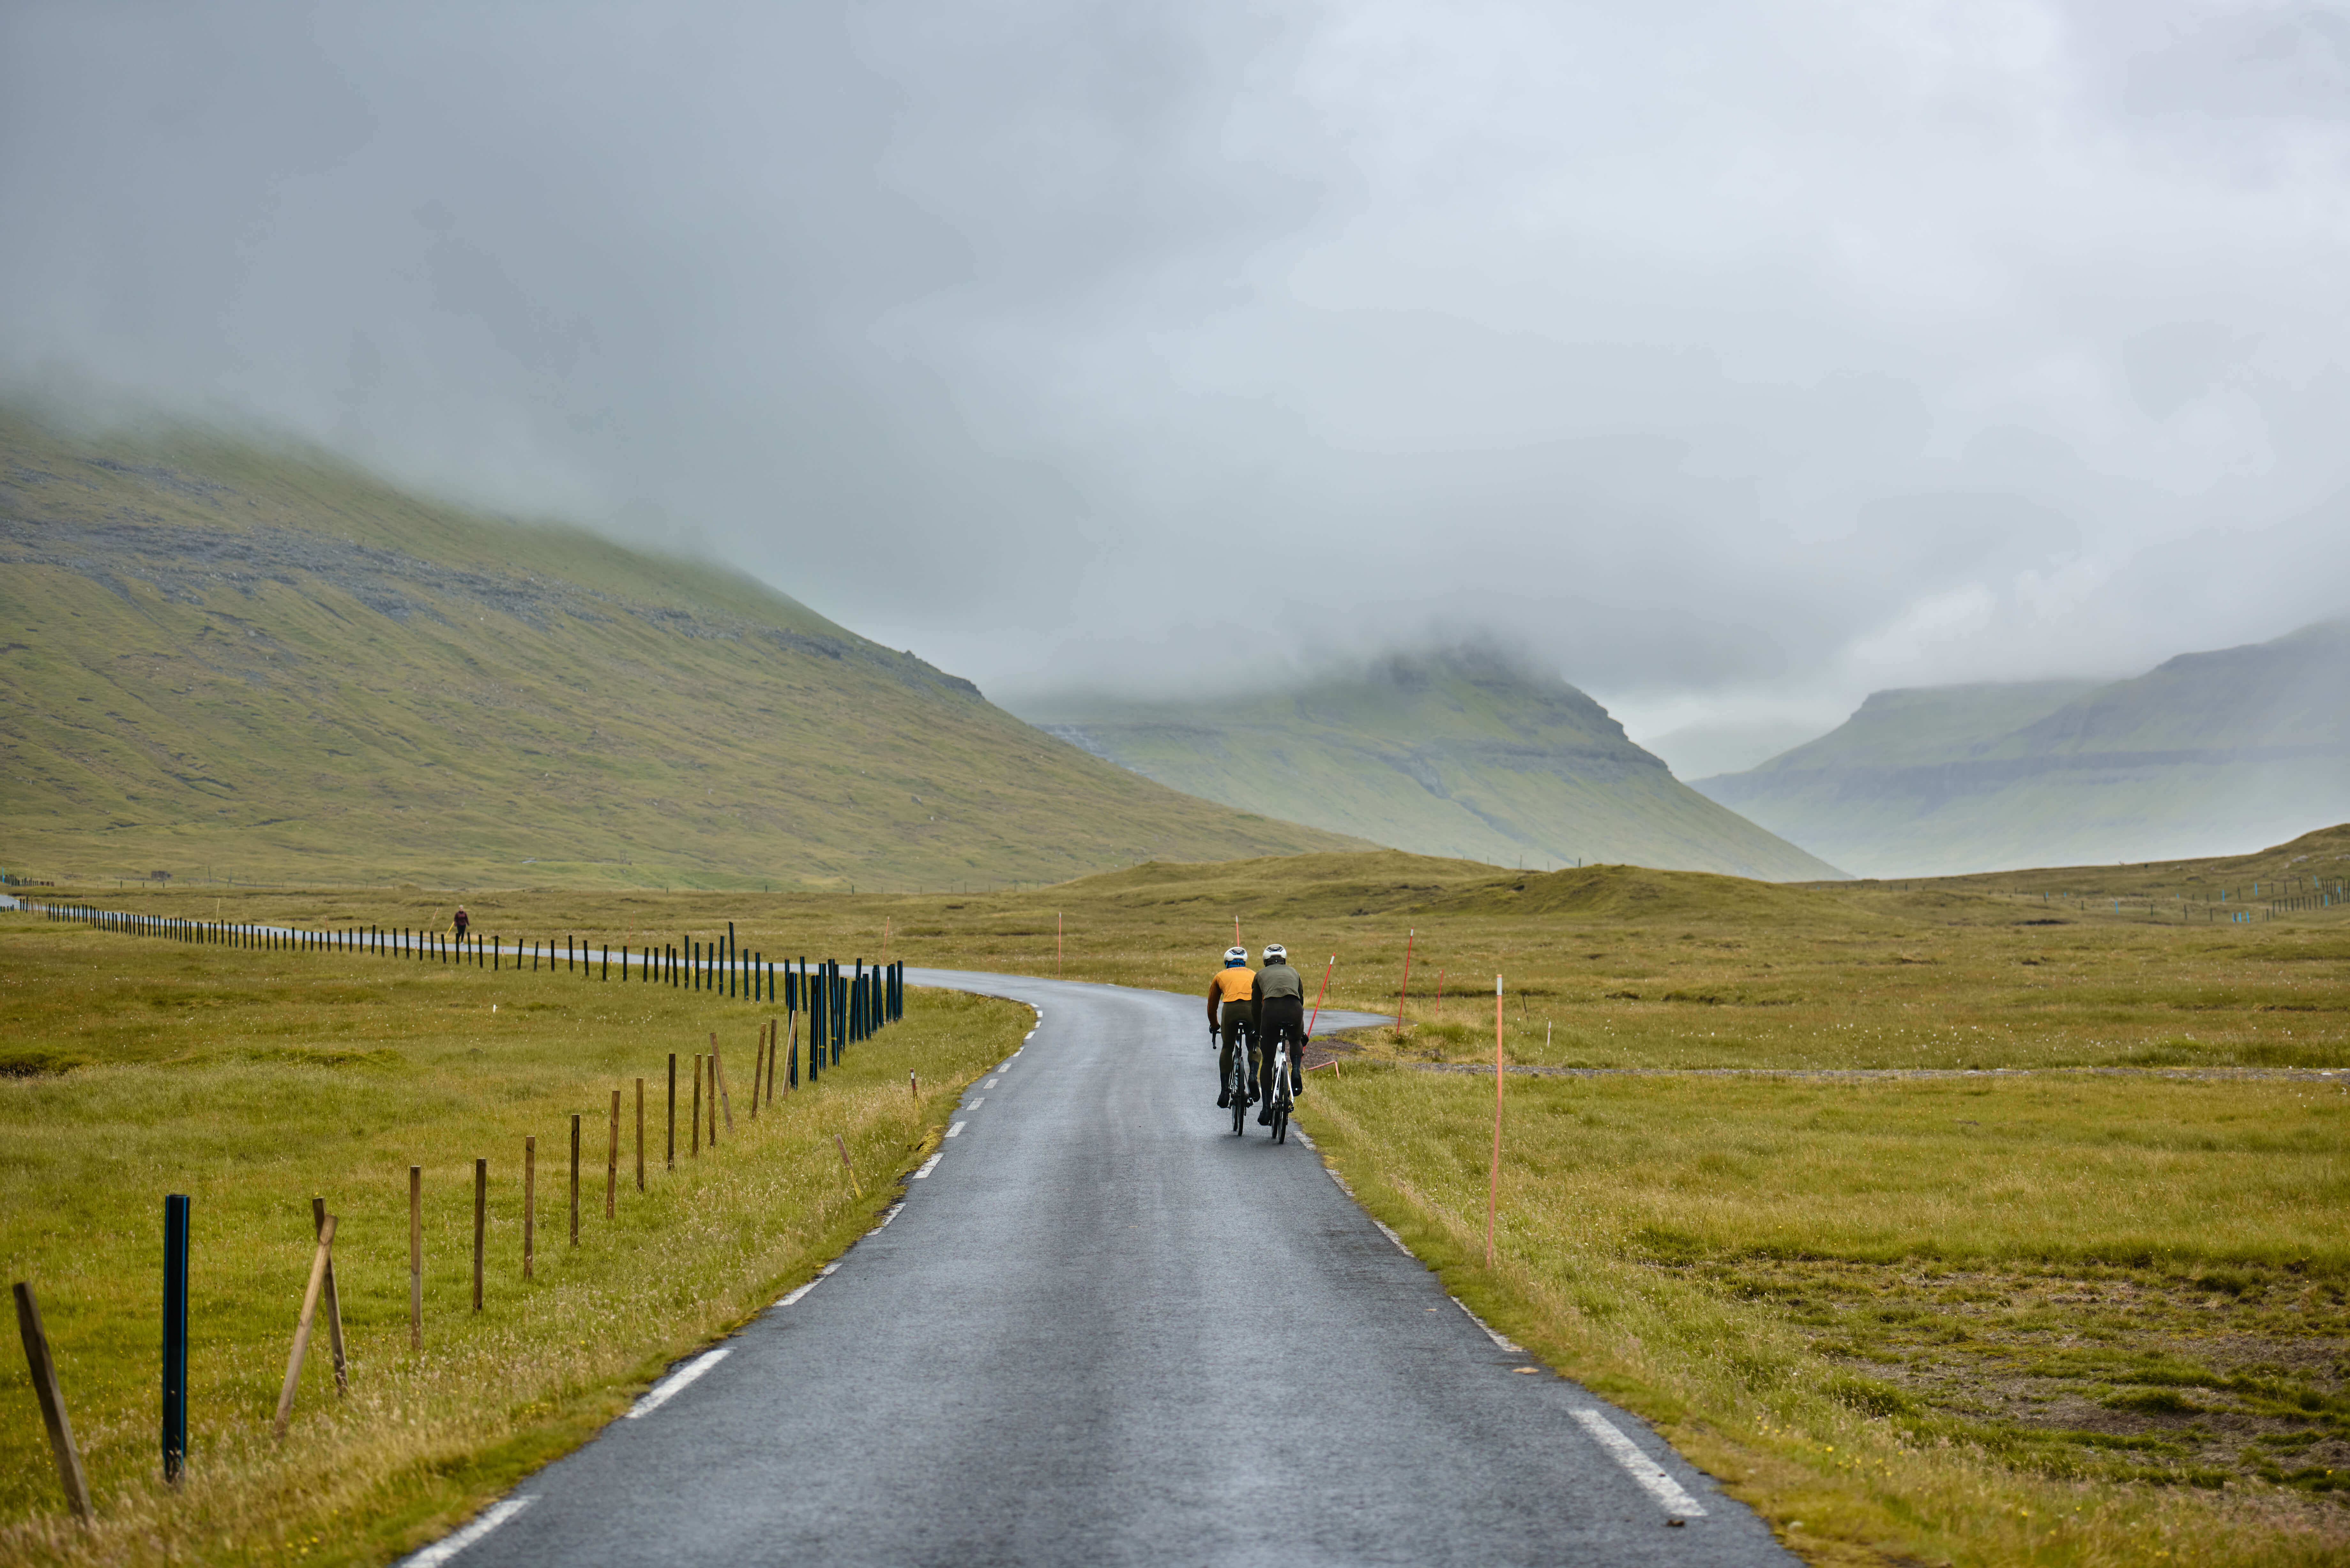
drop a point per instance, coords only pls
(1494, 1181)
(1406, 991)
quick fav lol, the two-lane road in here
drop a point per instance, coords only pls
(1102, 1329)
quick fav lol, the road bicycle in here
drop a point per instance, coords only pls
(1278, 1111)
(1237, 1087)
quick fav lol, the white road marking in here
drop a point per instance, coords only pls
(448, 1546)
(1507, 1346)
(977, 1101)
(989, 1085)
(1639, 1465)
(1388, 1231)
(661, 1394)
(929, 1165)
(790, 1296)
(956, 1129)
(1299, 1135)
(889, 1214)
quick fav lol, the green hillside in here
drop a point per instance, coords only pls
(2204, 755)
(1456, 755)
(228, 660)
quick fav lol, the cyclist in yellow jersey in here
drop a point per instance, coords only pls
(1231, 1012)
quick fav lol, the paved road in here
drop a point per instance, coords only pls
(1102, 1329)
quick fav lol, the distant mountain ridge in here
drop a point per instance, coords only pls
(2205, 754)
(260, 662)
(1460, 753)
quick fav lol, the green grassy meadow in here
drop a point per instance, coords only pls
(248, 663)
(252, 1080)
(1970, 1221)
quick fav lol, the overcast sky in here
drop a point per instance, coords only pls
(1736, 358)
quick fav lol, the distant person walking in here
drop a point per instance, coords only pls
(463, 919)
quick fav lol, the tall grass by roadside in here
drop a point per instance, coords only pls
(252, 1081)
(2063, 1321)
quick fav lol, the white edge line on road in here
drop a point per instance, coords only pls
(788, 1297)
(448, 1546)
(956, 1129)
(1506, 1346)
(929, 1165)
(677, 1382)
(891, 1214)
(1341, 1180)
(1638, 1465)
(1388, 1231)
(1299, 1133)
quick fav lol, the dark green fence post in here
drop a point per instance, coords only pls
(176, 1335)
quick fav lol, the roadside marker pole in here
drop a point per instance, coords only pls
(1320, 994)
(640, 1135)
(1403, 995)
(671, 1164)
(1493, 1182)
(1056, 944)
(176, 1335)
(53, 1401)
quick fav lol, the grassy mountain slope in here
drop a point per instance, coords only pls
(2206, 754)
(262, 664)
(1456, 755)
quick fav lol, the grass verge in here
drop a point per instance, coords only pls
(252, 1080)
(2078, 1322)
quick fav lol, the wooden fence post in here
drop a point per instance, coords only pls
(575, 1178)
(318, 1262)
(53, 1401)
(529, 1206)
(416, 1257)
(612, 1158)
(717, 1089)
(334, 1304)
(481, 1218)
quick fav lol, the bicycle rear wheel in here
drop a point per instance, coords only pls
(1281, 1116)
(1238, 1084)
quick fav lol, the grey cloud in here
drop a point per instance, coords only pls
(1732, 360)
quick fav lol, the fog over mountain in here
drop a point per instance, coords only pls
(1738, 361)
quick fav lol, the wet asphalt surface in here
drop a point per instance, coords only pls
(1103, 1330)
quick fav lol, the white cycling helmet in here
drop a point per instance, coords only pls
(1275, 953)
(1236, 955)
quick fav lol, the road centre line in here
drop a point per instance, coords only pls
(790, 1296)
(448, 1546)
(1638, 1465)
(677, 1382)
(956, 1129)
(929, 1165)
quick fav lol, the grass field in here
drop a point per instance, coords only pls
(252, 1081)
(2092, 1313)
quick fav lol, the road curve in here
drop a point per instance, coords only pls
(1102, 1329)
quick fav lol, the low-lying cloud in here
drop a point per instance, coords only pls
(1737, 360)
